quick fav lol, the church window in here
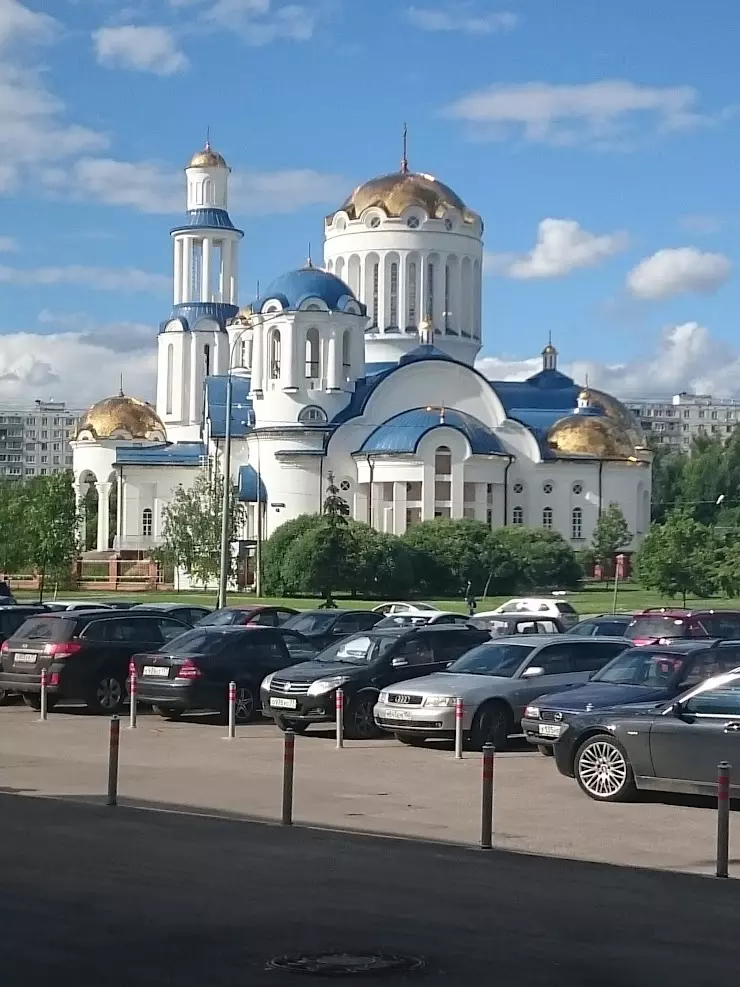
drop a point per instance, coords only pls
(413, 222)
(517, 515)
(376, 294)
(274, 354)
(312, 416)
(577, 523)
(312, 354)
(577, 489)
(394, 296)
(548, 486)
(146, 522)
(170, 374)
(430, 291)
(207, 360)
(346, 361)
(447, 296)
(246, 348)
(547, 518)
(518, 487)
(443, 461)
(412, 319)
(196, 272)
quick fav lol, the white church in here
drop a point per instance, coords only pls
(363, 369)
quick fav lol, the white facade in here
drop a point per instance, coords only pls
(363, 371)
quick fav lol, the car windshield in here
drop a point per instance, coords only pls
(643, 666)
(220, 618)
(195, 642)
(492, 659)
(359, 650)
(655, 627)
(311, 623)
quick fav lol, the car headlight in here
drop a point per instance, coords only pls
(383, 697)
(267, 681)
(440, 701)
(532, 712)
(320, 686)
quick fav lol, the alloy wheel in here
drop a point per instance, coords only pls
(109, 694)
(244, 705)
(363, 722)
(602, 770)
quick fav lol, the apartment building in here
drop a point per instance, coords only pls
(676, 421)
(34, 440)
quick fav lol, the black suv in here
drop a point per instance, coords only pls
(86, 655)
(361, 665)
(325, 627)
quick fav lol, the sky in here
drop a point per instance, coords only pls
(598, 140)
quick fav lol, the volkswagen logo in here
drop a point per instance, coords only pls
(287, 687)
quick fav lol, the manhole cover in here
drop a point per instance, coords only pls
(336, 964)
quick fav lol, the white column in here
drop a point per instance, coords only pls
(194, 361)
(103, 490)
(399, 508)
(177, 278)
(456, 490)
(333, 376)
(427, 492)
(226, 271)
(258, 369)
(288, 374)
(119, 511)
(382, 298)
(234, 272)
(439, 292)
(205, 288)
(477, 304)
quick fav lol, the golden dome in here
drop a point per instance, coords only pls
(395, 193)
(597, 436)
(207, 158)
(122, 414)
(620, 414)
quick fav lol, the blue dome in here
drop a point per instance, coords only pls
(296, 287)
(404, 432)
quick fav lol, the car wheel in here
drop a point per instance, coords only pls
(547, 750)
(359, 722)
(246, 704)
(410, 739)
(108, 695)
(33, 700)
(294, 725)
(603, 770)
(493, 724)
(4, 697)
(168, 713)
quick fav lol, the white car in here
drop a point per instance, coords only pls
(547, 606)
(389, 608)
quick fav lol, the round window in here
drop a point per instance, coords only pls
(548, 487)
(413, 222)
(518, 488)
(374, 222)
(577, 488)
(345, 485)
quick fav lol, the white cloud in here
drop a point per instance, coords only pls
(675, 271)
(142, 48)
(685, 358)
(152, 188)
(594, 112)
(58, 365)
(123, 279)
(562, 246)
(19, 24)
(260, 22)
(461, 18)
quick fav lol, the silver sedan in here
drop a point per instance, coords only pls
(495, 682)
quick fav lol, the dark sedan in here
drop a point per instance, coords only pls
(188, 613)
(672, 747)
(248, 614)
(326, 627)
(639, 675)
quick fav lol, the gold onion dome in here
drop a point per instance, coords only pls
(618, 413)
(597, 436)
(397, 192)
(207, 158)
(122, 415)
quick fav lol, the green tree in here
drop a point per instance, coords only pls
(668, 469)
(611, 534)
(678, 557)
(13, 540)
(50, 525)
(319, 561)
(543, 559)
(380, 564)
(191, 533)
(277, 578)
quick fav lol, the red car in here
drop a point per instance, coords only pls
(661, 625)
(247, 614)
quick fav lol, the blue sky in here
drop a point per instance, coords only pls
(599, 142)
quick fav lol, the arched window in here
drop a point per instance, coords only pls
(170, 375)
(429, 314)
(376, 293)
(517, 515)
(447, 296)
(207, 360)
(577, 523)
(413, 288)
(147, 522)
(312, 354)
(209, 192)
(346, 359)
(547, 518)
(443, 461)
(246, 358)
(394, 296)
(274, 354)
(312, 416)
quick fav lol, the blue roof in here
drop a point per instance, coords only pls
(191, 313)
(403, 432)
(295, 287)
(168, 454)
(208, 219)
(241, 406)
(424, 352)
(248, 485)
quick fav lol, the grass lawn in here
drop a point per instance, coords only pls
(594, 599)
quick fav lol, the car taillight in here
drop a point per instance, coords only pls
(4, 647)
(188, 670)
(65, 650)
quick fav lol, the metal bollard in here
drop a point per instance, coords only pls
(232, 710)
(723, 818)
(132, 697)
(486, 816)
(340, 718)
(44, 695)
(113, 746)
(288, 761)
(458, 729)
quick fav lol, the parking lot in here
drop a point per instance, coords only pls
(378, 786)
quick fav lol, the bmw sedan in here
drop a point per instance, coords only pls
(671, 747)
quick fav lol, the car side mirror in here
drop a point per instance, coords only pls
(533, 672)
(399, 663)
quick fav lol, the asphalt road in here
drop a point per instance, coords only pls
(121, 896)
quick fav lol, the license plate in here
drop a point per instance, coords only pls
(278, 703)
(396, 714)
(549, 730)
(158, 671)
(26, 658)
